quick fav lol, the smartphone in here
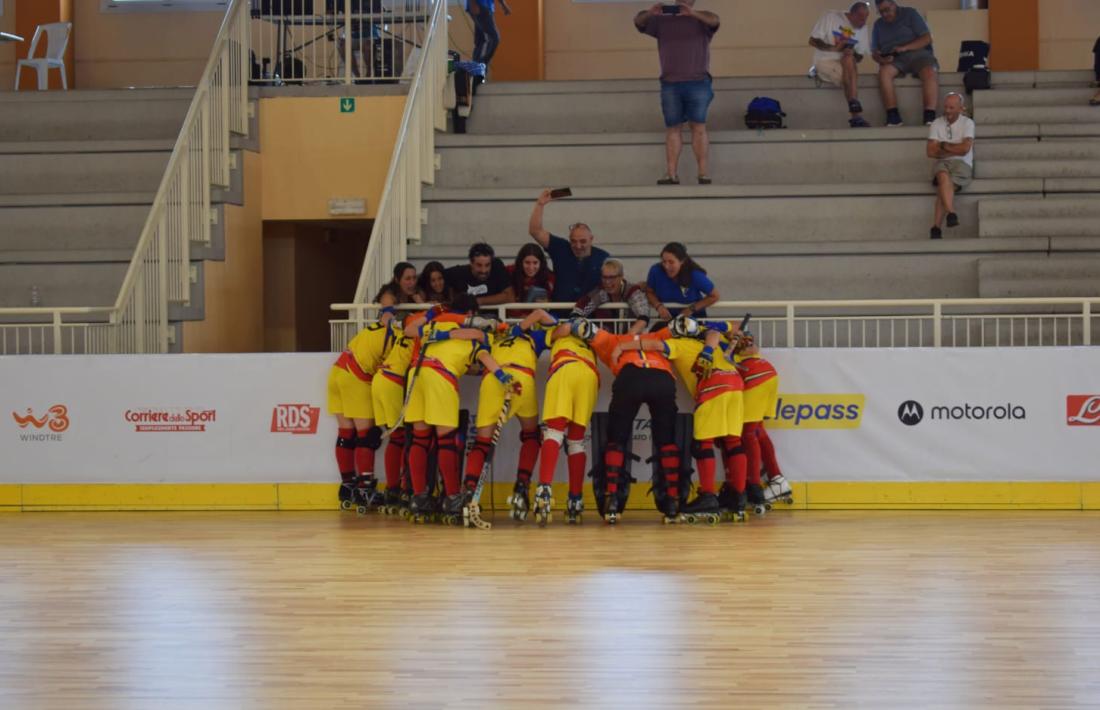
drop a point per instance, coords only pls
(560, 193)
(744, 323)
(670, 9)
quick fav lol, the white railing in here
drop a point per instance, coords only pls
(987, 322)
(159, 274)
(305, 41)
(413, 163)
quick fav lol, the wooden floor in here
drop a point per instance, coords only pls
(320, 610)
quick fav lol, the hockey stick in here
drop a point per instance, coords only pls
(472, 511)
(408, 393)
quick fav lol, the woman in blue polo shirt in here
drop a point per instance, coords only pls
(678, 279)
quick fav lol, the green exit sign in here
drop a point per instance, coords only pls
(347, 104)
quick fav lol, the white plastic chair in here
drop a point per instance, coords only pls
(57, 34)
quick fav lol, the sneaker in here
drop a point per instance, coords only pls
(669, 180)
(952, 219)
(929, 116)
(704, 180)
(937, 233)
(893, 118)
(858, 122)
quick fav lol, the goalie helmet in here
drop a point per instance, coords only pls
(684, 327)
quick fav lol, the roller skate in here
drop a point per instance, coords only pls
(731, 504)
(391, 501)
(518, 500)
(778, 490)
(574, 509)
(611, 512)
(421, 509)
(453, 506)
(544, 503)
(671, 511)
(346, 495)
(704, 509)
(367, 497)
(755, 494)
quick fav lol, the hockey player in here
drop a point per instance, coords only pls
(761, 392)
(350, 400)
(516, 350)
(572, 387)
(447, 351)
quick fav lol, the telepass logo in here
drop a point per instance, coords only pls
(1083, 410)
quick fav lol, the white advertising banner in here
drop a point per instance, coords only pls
(843, 415)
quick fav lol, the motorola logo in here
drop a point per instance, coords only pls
(911, 413)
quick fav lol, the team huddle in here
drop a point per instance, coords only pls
(397, 385)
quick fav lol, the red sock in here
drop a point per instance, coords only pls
(551, 448)
(752, 452)
(767, 451)
(364, 457)
(447, 453)
(706, 465)
(418, 459)
(670, 464)
(345, 454)
(528, 455)
(475, 459)
(736, 463)
(395, 450)
(577, 459)
(613, 460)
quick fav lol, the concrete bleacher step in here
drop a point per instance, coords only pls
(1032, 97)
(62, 284)
(71, 228)
(1051, 217)
(124, 114)
(704, 214)
(28, 174)
(1036, 114)
(1052, 276)
(1063, 168)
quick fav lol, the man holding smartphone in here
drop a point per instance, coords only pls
(901, 44)
(576, 262)
(683, 43)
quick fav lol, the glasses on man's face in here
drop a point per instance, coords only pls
(611, 277)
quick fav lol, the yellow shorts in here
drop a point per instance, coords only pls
(387, 397)
(348, 395)
(760, 401)
(720, 416)
(490, 399)
(571, 394)
(434, 400)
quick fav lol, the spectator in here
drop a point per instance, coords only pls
(485, 277)
(531, 277)
(840, 42)
(614, 289)
(401, 289)
(1095, 100)
(901, 44)
(951, 145)
(678, 279)
(432, 284)
(576, 262)
(683, 43)
(486, 34)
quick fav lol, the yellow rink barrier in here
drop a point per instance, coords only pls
(862, 495)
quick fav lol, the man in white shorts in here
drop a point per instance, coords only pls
(951, 146)
(840, 41)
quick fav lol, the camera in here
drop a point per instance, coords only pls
(670, 9)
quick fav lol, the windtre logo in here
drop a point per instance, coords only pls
(47, 427)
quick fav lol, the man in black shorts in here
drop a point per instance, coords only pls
(901, 44)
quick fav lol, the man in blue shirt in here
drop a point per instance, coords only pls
(576, 262)
(486, 34)
(901, 44)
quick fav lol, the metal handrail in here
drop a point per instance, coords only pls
(398, 220)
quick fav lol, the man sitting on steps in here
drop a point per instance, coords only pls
(951, 145)
(901, 44)
(840, 43)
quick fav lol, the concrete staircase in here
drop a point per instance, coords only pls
(78, 174)
(814, 211)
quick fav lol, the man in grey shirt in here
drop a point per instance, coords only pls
(683, 43)
(901, 44)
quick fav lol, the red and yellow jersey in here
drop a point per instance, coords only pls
(449, 356)
(569, 348)
(366, 350)
(604, 343)
(755, 370)
(684, 355)
(518, 352)
(395, 365)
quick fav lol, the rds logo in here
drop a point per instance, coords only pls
(818, 411)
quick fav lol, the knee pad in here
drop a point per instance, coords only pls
(449, 442)
(555, 435)
(372, 439)
(397, 438)
(702, 449)
(422, 440)
(485, 447)
(344, 442)
(732, 448)
(574, 446)
(532, 435)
